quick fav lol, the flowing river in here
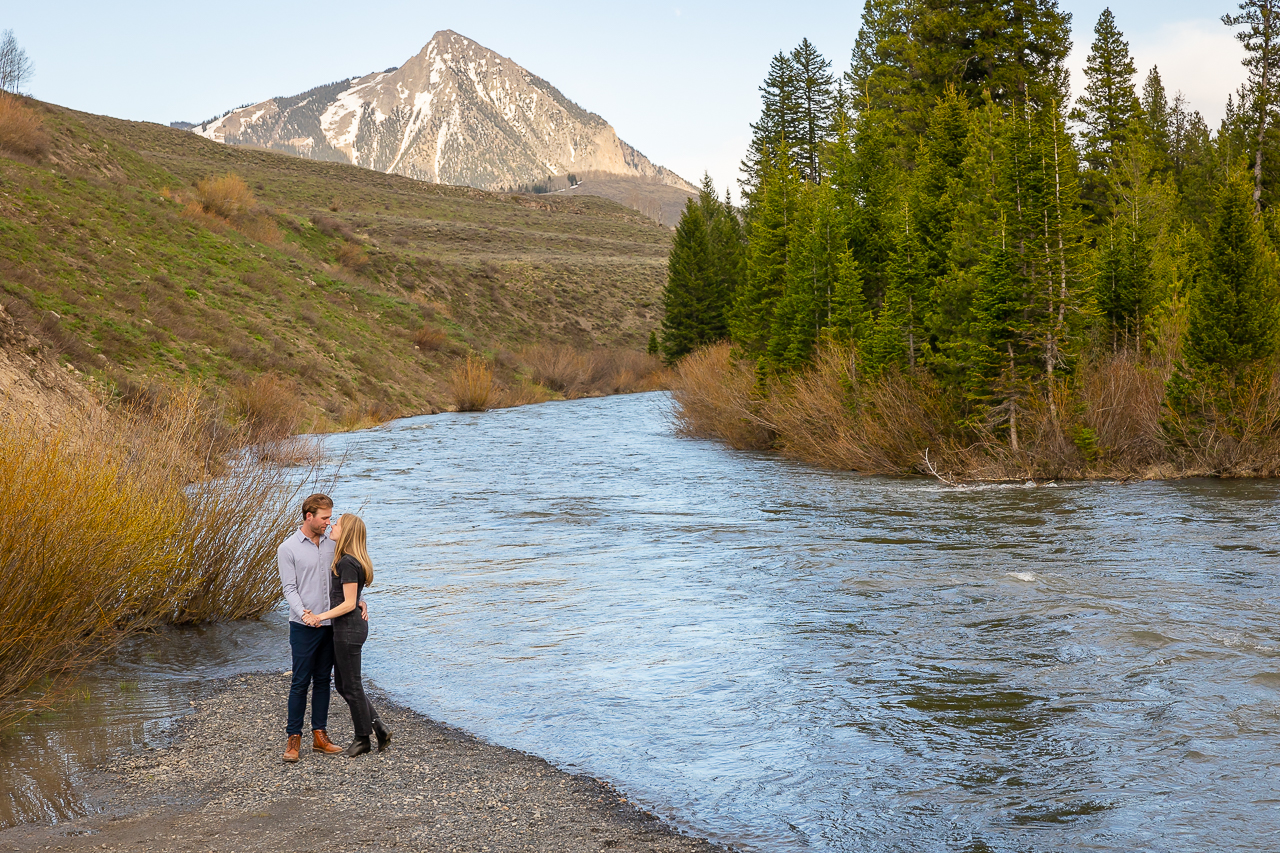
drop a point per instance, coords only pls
(791, 659)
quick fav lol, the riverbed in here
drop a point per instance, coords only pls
(786, 658)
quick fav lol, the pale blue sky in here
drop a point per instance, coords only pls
(677, 80)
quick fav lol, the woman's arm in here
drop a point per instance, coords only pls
(348, 604)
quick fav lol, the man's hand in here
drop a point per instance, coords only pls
(364, 611)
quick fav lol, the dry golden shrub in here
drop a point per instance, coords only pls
(195, 212)
(21, 128)
(227, 197)
(113, 525)
(371, 414)
(830, 416)
(261, 228)
(270, 406)
(353, 257)
(524, 393)
(714, 397)
(1123, 396)
(430, 338)
(471, 385)
(585, 373)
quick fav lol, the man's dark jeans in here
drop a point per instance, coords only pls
(312, 667)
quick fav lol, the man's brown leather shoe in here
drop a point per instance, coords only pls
(323, 744)
(291, 751)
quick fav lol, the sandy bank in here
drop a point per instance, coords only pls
(220, 785)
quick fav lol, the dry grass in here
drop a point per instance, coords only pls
(522, 393)
(1112, 420)
(714, 396)
(270, 406)
(21, 129)
(353, 257)
(592, 373)
(830, 416)
(429, 338)
(227, 197)
(106, 534)
(471, 385)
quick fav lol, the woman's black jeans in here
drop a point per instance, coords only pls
(349, 634)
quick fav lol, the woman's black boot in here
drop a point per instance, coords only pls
(359, 746)
(383, 733)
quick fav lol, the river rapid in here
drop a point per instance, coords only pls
(792, 659)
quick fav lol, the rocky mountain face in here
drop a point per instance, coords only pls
(457, 113)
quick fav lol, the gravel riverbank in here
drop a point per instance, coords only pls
(220, 786)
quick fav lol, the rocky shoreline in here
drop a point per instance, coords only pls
(220, 786)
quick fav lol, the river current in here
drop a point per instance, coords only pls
(792, 659)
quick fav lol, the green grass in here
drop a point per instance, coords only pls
(98, 260)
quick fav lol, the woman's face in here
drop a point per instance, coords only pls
(335, 530)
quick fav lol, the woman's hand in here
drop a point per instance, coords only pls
(310, 618)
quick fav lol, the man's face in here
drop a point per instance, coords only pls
(318, 522)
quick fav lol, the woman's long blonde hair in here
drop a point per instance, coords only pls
(352, 540)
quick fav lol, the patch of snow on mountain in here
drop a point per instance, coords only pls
(341, 121)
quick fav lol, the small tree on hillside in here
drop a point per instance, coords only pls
(15, 67)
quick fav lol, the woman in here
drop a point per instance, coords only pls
(351, 572)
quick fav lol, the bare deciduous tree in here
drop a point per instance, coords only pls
(15, 67)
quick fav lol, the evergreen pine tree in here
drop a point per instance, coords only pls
(1156, 119)
(1232, 308)
(1107, 110)
(768, 251)
(999, 366)
(1260, 36)
(879, 76)
(1231, 328)
(685, 297)
(655, 348)
(847, 323)
(1015, 49)
(1123, 281)
(867, 182)
(1108, 106)
(942, 153)
(780, 127)
(815, 91)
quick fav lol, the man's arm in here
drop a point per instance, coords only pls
(289, 581)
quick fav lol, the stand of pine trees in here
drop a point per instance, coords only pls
(1030, 286)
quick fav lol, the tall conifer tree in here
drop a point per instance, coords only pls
(1260, 20)
(815, 96)
(686, 296)
(1108, 106)
(769, 233)
(780, 126)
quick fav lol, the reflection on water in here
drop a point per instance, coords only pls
(124, 703)
(792, 659)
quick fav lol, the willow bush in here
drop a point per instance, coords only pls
(119, 523)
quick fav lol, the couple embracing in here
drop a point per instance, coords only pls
(324, 568)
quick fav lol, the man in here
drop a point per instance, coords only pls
(304, 560)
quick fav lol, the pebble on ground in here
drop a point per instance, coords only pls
(220, 785)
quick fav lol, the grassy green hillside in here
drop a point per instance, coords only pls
(364, 289)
